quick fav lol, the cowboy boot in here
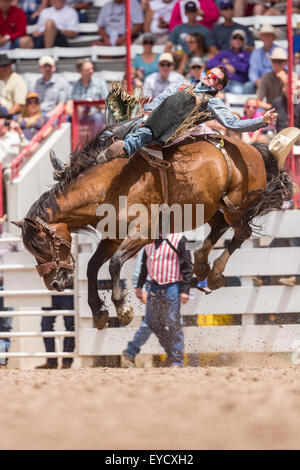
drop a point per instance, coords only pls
(115, 150)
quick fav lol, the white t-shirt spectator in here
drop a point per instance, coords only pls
(154, 85)
(160, 10)
(66, 18)
(112, 18)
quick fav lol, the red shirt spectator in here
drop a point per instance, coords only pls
(208, 12)
(13, 21)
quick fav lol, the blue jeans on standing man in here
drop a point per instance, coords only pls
(164, 319)
(140, 338)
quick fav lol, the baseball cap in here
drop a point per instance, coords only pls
(240, 32)
(148, 37)
(278, 54)
(197, 61)
(46, 60)
(166, 57)
(32, 94)
(4, 113)
(190, 6)
(226, 4)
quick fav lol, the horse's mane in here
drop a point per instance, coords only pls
(80, 160)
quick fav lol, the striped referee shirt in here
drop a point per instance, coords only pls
(164, 266)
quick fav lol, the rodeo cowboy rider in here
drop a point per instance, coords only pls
(179, 106)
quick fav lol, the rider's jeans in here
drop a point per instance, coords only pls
(141, 137)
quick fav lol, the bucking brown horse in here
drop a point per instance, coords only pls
(233, 189)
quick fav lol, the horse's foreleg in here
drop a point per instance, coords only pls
(215, 278)
(218, 227)
(104, 252)
(128, 248)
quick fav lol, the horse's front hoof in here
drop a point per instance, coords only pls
(101, 319)
(215, 281)
(201, 271)
(125, 315)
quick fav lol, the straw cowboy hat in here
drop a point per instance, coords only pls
(282, 143)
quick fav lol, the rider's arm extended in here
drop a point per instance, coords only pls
(225, 117)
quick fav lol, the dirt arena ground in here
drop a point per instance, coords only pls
(231, 407)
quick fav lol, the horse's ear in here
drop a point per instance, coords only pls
(32, 223)
(18, 224)
(55, 161)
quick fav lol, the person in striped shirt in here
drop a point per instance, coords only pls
(169, 277)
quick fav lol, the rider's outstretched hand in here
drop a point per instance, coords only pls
(270, 116)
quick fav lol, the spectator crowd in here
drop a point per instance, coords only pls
(197, 35)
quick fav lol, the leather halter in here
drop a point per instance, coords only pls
(55, 263)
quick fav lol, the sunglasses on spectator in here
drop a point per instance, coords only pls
(251, 106)
(32, 101)
(165, 64)
(212, 76)
(228, 7)
(278, 61)
(148, 42)
(196, 67)
(238, 37)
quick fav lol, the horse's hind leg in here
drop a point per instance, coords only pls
(215, 278)
(128, 248)
(104, 252)
(218, 227)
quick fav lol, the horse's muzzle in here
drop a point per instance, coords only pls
(63, 280)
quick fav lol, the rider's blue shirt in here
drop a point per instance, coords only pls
(216, 106)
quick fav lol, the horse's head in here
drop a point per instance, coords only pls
(50, 244)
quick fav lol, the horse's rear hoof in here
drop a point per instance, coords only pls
(201, 271)
(125, 316)
(101, 319)
(215, 281)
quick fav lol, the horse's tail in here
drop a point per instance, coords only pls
(279, 188)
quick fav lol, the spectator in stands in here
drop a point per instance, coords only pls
(221, 33)
(271, 83)
(31, 8)
(12, 26)
(179, 34)
(12, 139)
(146, 63)
(111, 22)
(13, 93)
(157, 18)
(207, 13)
(167, 291)
(31, 119)
(88, 87)
(236, 62)
(197, 49)
(260, 62)
(81, 8)
(196, 68)
(55, 26)
(52, 88)
(280, 105)
(274, 8)
(251, 112)
(159, 81)
(59, 302)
